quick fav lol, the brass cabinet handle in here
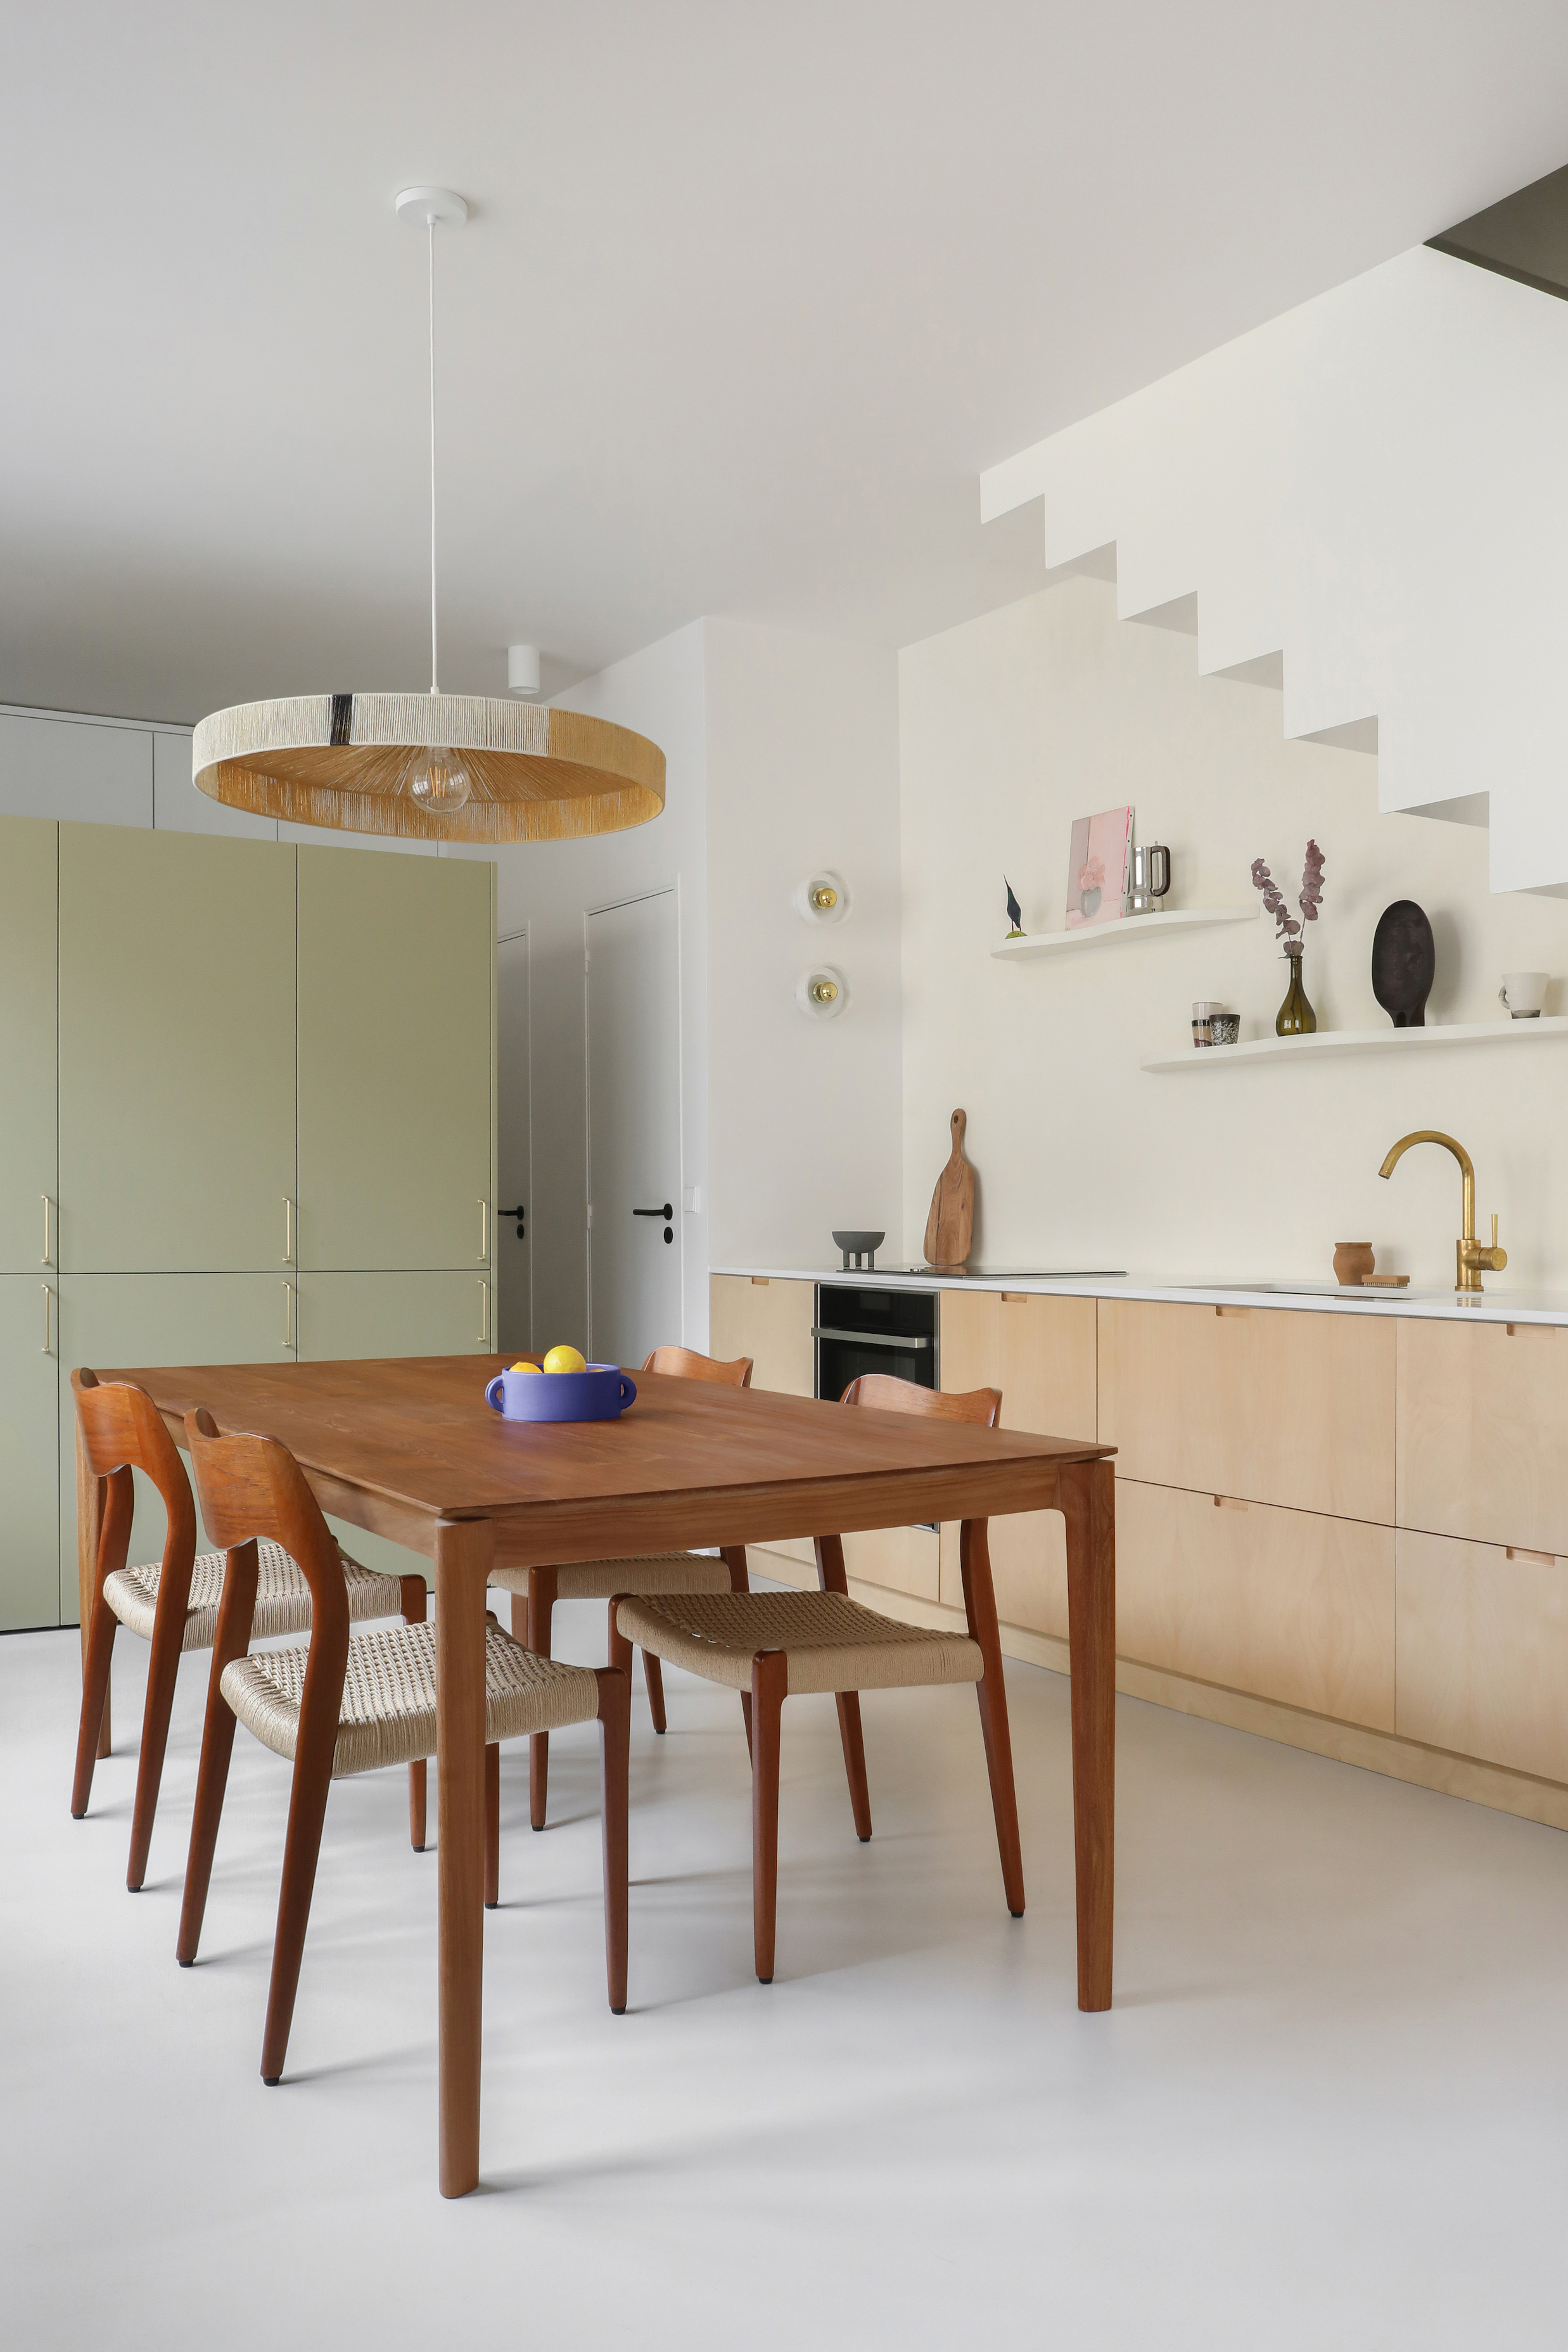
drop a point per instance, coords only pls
(484, 1230)
(288, 1315)
(48, 1257)
(484, 1309)
(287, 1231)
(48, 1320)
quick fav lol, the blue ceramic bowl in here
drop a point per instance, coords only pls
(602, 1392)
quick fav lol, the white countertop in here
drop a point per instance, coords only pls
(1496, 1304)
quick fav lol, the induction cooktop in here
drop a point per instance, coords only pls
(1013, 1273)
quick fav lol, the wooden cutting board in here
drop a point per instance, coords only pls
(950, 1227)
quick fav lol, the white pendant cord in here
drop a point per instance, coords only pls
(430, 228)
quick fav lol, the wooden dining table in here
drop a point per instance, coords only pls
(410, 1450)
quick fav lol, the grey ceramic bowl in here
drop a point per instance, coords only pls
(855, 1244)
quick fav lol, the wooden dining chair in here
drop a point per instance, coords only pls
(173, 1604)
(770, 1645)
(535, 1591)
(348, 1704)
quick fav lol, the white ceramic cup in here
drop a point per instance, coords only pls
(1524, 992)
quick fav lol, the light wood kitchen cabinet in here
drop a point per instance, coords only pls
(1042, 1353)
(1289, 1604)
(28, 908)
(29, 1452)
(1483, 1431)
(177, 1051)
(899, 1559)
(1483, 1650)
(1272, 1406)
(395, 1060)
(769, 1319)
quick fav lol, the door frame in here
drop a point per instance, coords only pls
(524, 932)
(670, 889)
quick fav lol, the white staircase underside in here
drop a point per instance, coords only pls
(1366, 503)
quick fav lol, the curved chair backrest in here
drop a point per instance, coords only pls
(686, 1364)
(122, 1431)
(982, 1406)
(252, 1488)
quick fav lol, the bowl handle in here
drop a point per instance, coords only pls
(628, 1390)
(491, 1393)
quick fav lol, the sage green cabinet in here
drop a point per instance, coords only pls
(29, 1522)
(345, 1316)
(117, 1322)
(395, 1061)
(177, 1051)
(29, 907)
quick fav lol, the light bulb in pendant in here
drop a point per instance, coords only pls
(438, 781)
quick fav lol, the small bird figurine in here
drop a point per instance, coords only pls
(1014, 912)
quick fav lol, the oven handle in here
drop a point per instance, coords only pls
(865, 1338)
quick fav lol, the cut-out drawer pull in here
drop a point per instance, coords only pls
(760, 1281)
(1233, 1310)
(1536, 1559)
(1015, 1298)
(1229, 1503)
(1523, 1330)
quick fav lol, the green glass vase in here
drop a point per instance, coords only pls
(1295, 1017)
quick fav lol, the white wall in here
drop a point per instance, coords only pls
(1376, 484)
(1050, 708)
(548, 887)
(804, 1116)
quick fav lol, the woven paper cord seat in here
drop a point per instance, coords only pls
(830, 1642)
(282, 1596)
(388, 1714)
(650, 1571)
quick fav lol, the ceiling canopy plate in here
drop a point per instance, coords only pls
(345, 761)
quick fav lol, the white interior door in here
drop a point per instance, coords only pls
(632, 987)
(514, 1214)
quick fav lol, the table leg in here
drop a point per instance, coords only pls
(465, 1554)
(91, 1493)
(1088, 1504)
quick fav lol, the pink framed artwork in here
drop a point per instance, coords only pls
(1097, 867)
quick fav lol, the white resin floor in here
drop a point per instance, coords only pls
(1330, 2108)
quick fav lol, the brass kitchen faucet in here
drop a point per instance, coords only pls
(1470, 1255)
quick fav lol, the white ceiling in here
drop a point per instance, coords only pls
(748, 297)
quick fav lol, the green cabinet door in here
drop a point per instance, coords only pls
(121, 1320)
(177, 1051)
(29, 1387)
(29, 848)
(396, 1060)
(349, 1316)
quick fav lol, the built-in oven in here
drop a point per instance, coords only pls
(866, 1331)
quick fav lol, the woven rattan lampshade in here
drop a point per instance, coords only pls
(345, 761)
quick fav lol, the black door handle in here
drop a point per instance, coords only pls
(520, 1212)
(667, 1211)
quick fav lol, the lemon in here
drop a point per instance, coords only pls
(565, 1359)
(520, 1367)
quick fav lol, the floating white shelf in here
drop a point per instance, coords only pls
(1361, 1040)
(1127, 927)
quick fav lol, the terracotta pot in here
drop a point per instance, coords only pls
(1352, 1262)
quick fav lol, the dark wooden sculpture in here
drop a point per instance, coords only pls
(1404, 964)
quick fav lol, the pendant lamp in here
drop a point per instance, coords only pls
(453, 766)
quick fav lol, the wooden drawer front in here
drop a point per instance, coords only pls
(1287, 1605)
(1028, 1569)
(1483, 1432)
(1040, 1352)
(904, 1559)
(1483, 1651)
(1274, 1406)
(769, 1321)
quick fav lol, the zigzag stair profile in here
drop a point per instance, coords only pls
(1363, 504)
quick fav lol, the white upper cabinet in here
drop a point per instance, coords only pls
(90, 773)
